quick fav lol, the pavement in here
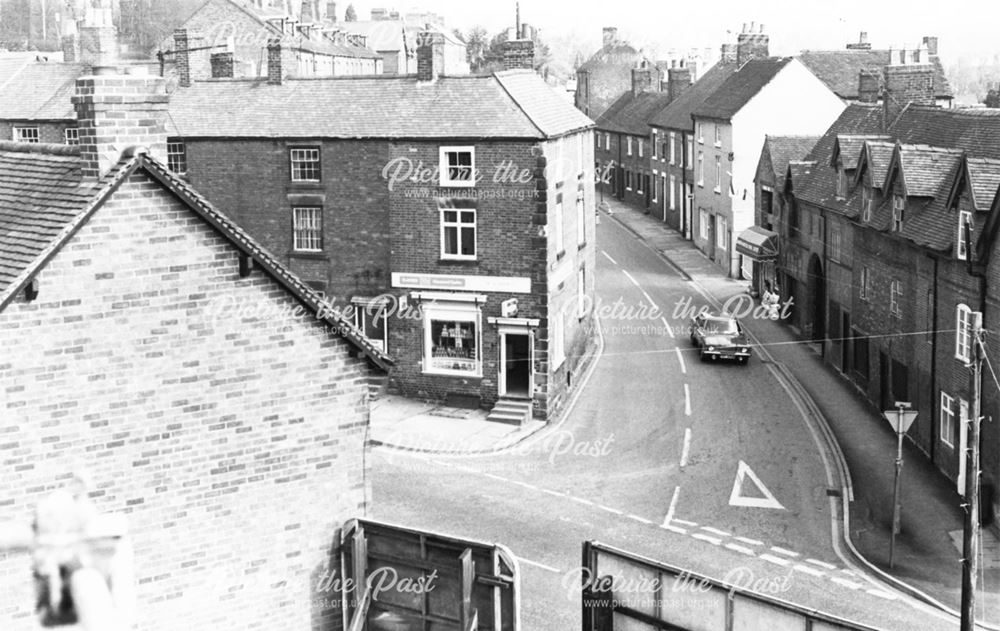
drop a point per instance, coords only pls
(928, 549)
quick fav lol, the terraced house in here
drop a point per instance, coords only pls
(872, 249)
(454, 215)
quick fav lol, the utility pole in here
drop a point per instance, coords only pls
(901, 418)
(970, 542)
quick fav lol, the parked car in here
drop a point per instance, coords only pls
(719, 337)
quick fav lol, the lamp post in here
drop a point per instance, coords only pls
(901, 418)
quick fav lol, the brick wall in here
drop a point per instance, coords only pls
(259, 195)
(235, 443)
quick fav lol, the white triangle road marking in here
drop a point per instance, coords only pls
(736, 498)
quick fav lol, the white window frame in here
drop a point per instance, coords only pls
(718, 174)
(690, 154)
(71, 136)
(581, 293)
(703, 219)
(898, 212)
(451, 312)
(638, 183)
(721, 231)
(701, 133)
(558, 228)
(895, 298)
(29, 134)
(558, 339)
(581, 221)
(866, 203)
(701, 169)
(673, 144)
(964, 217)
(673, 192)
(380, 312)
(655, 145)
(177, 157)
(628, 141)
(963, 333)
(718, 135)
(865, 285)
(607, 141)
(309, 215)
(444, 171)
(297, 155)
(458, 225)
(947, 419)
(641, 143)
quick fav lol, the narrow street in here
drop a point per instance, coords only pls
(708, 466)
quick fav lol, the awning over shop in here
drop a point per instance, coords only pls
(758, 244)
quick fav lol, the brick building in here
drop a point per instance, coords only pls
(396, 38)
(244, 29)
(418, 193)
(871, 252)
(153, 343)
(624, 146)
(607, 74)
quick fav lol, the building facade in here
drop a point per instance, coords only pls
(463, 242)
(607, 74)
(153, 344)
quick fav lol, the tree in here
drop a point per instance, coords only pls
(992, 99)
(350, 15)
(477, 47)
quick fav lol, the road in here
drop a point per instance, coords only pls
(707, 466)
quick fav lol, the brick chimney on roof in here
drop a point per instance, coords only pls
(869, 87)
(191, 64)
(519, 54)
(751, 44)
(909, 78)
(610, 36)
(728, 54)
(115, 112)
(930, 42)
(678, 80)
(275, 73)
(645, 78)
(430, 56)
(862, 43)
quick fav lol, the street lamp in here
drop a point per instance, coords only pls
(901, 418)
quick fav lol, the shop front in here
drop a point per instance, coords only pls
(758, 249)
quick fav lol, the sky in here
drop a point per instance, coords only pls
(965, 28)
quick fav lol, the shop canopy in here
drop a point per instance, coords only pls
(758, 244)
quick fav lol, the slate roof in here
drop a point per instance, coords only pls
(394, 35)
(976, 130)
(678, 114)
(924, 168)
(509, 104)
(620, 54)
(847, 148)
(44, 200)
(784, 149)
(839, 69)
(984, 177)
(630, 113)
(740, 87)
(38, 90)
(877, 155)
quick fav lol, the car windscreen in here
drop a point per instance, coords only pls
(721, 327)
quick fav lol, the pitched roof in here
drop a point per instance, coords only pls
(678, 114)
(631, 113)
(839, 69)
(924, 168)
(740, 87)
(38, 90)
(510, 104)
(876, 155)
(619, 54)
(847, 148)
(976, 130)
(44, 200)
(784, 149)
(984, 177)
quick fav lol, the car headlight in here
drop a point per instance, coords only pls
(744, 350)
(711, 348)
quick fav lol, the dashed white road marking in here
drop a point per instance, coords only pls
(652, 302)
(639, 519)
(752, 542)
(822, 564)
(673, 528)
(686, 450)
(496, 477)
(687, 400)
(784, 551)
(738, 548)
(610, 510)
(712, 540)
(673, 506)
(556, 493)
(667, 324)
(680, 358)
(808, 570)
(634, 281)
(776, 560)
(525, 485)
(581, 500)
(547, 568)
(684, 522)
(608, 256)
(716, 531)
(846, 583)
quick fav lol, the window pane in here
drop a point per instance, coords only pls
(450, 240)
(468, 216)
(453, 346)
(450, 216)
(469, 241)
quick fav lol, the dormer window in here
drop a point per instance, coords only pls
(841, 183)
(964, 219)
(898, 208)
(866, 204)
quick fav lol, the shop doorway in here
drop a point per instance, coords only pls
(515, 364)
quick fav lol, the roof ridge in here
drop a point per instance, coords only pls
(43, 148)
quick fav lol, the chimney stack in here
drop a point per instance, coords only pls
(610, 36)
(331, 11)
(751, 45)
(678, 80)
(862, 43)
(380, 14)
(222, 65)
(728, 54)
(868, 86)
(430, 56)
(906, 81)
(931, 44)
(191, 64)
(519, 54)
(275, 73)
(645, 78)
(115, 112)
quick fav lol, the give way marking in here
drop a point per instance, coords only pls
(736, 498)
